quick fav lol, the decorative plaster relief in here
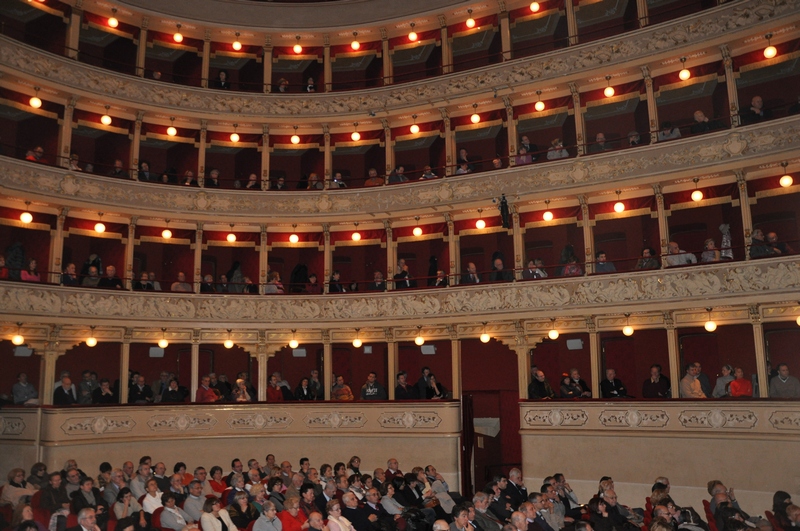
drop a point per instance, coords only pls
(633, 418)
(556, 417)
(335, 419)
(409, 419)
(183, 422)
(716, 418)
(266, 421)
(97, 425)
(702, 27)
(785, 420)
(11, 426)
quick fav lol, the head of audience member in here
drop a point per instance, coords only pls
(497, 164)
(700, 117)
(600, 138)
(600, 256)
(634, 138)
(674, 248)
(757, 103)
(498, 264)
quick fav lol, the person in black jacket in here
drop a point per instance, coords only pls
(612, 386)
(335, 286)
(62, 395)
(89, 497)
(140, 392)
(174, 392)
(104, 394)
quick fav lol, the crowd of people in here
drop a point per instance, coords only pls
(344, 497)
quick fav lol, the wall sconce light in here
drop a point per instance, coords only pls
(480, 224)
(697, 195)
(18, 339)
(236, 44)
(235, 135)
(178, 37)
(417, 230)
(228, 343)
(356, 235)
(112, 20)
(106, 119)
(770, 51)
(484, 336)
(166, 233)
(99, 226)
(294, 238)
(355, 45)
(355, 135)
(627, 330)
(470, 21)
(412, 35)
(295, 139)
(787, 180)
(163, 343)
(357, 341)
(684, 74)
(297, 48)
(171, 131)
(293, 343)
(475, 118)
(414, 127)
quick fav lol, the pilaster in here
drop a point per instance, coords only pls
(327, 255)
(195, 363)
(327, 363)
(392, 362)
(511, 129)
(594, 354)
(447, 47)
(198, 257)
(744, 207)
(580, 126)
(455, 361)
(265, 151)
(588, 235)
(130, 246)
(327, 67)
(673, 349)
(201, 154)
(135, 146)
(449, 143)
(57, 246)
(125, 364)
(754, 311)
(65, 133)
(730, 85)
(652, 108)
(663, 227)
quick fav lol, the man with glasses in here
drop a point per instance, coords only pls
(87, 521)
(116, 484)
(73, 478)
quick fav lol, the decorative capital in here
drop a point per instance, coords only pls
(200, 226)
(591, 324)
(453, 331)
(127, 335)
(388, 332)
(386, 127)
(204, 125)
(448, 218)
(669, 320)
(196, 334)
(265, 129)
(267, 41)
(726, 53)
(62, 214)
(139, 117)
(207, 36)
(445, 113)
(326, 336)
(387, 225)
(145, 23)
(326, 39)
(509, 104)
(646, 73)
(134, 221)
(502, 6)
(73, 101)
(442, 21)
(326, 129)
(754, 312)
(384, 34)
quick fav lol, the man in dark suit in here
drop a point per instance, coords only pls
(403, 280)
(361, 520)
(471, 276)
(516, 490)
(378, 283)
(612, 386)
(62, 395)
(87, 521)
(374, 507)
(89, 497)
(441, 280)
(499, 274)
(534, 513)
(327, 494)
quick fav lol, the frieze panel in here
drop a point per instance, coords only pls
(409, 419)
(266, 421)
(98, 425)
(633, 418)
(717, 418)
(703, 27)
(11, 426)
(556, 417)
(336, 420)
(785, 420)
(184, 422)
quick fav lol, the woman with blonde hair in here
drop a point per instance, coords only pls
(337, 522)
(214, 518)
(17, 489)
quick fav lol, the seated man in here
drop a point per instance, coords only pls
(427, 173)
(373, 390)
(600, 144)
(612, 386)
(534, 269)
(402, 279)
(602, 265)
(118, 170)
(657, 386)
(373, 179)
(772, 241)
(530, 149)
(499, 274)
(36, 155)
(338, 181)
(678, 256)
(378, 283)
(539, 388)
(93, 280)
(756, 113)
(208, 285)
(759, 247)
(690, 385)
(181, 285)
(140, 392)
(648, 259)
(784, 385)
(668, 132)
(471, 276)
(280, 184)
(576, 378)
(341, 391)
(63, 395)
(404, 391)
(702, 124)
(634, 139)
(111, 280)
(441, 280)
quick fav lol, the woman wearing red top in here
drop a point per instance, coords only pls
(217, 482)
(274, 392)
(291, 518)
(741, 386)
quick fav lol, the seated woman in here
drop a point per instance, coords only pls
(126, 506)
(292, 519)
(24, 513)
(259, 495)
(240, 393)
(337, 522)
(268, 521)
(241, 511)
(274, 488)
(570, 388)
(274, 283)
(237, 484)
(31, 274)
(435, 390)
(557, 150)
(152, 499)
(741, 386)
(217, 481)
(711, 253)
(173, 517)
(214, 518)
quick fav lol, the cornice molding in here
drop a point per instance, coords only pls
(735, 284)
(711, 27)
(724, 151)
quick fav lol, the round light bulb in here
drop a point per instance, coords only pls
(414, 129)
(470, 22)
(237, 45)
(419, 341)
(177, 37)
(35, 102)
(798, 321)
(297, 48)
(228, 343)
(710, 326)
(539, 106)
(770, 52)
(480, 224)
(171, 131)
(547, 216)
(231, 237)
(608, 92)
(234, 137)
(357, 343)
(417, 231)
(293, 343)
(684, 74)
(99, 227)
(552, 334)
(166, 234)
(534, 6)
(485, 337)
(786, 181)
(475, 118)
(697, 195)
(17, 339)
(356, 136)
(627, 330)
(294, 238)
(26, 217)
(91, 342)
(163, 343)
(355, 45)
(619, 206)
(413, 36)
(105, 119)
(356, 236)
(113, 22)
(295, 139)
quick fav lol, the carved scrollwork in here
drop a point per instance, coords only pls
(335, 420)
(11, 426)
(97, 425)
(633, 418)
(785, 420)
(717, 419)
(556, 417)
(260, 421)
(409, 419)
(182, 422)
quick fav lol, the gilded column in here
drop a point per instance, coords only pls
(129, 248)
(198, 256)
(57, 246)
(572, 22)
(141, 49)
(74, 30)
(65, 133)
(124, 365)
(327, 363)
(663, 226)
(449, 143)
(327, 67)
(206, 65)
(730, 84)
(389, 145)
(447, 47)
(652, 108)
(265, 150)
(744, 206)
(195, 365)
(588, 235)
(135, 145)
(327, 255)
(505, 31)
(519, 244)
(580, 126)
(263, 259)
(328, 156)
(673, 350)
(391, 362)
(391, 253)
(594, 353)
(388, 69)
(201, 154)
(267, 59)
(761, 350)
(455, 360)
(452, 249)
(511, 129)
